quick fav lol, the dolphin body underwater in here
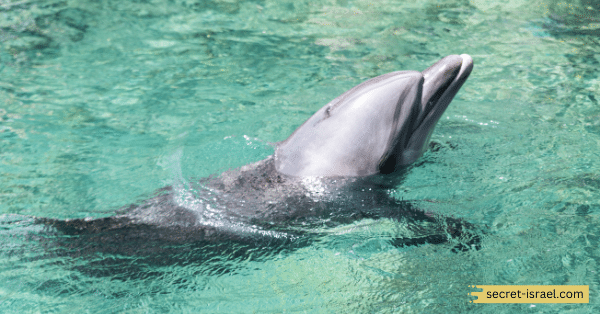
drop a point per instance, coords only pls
(335, 169)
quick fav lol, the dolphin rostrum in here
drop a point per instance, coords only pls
(327, 173)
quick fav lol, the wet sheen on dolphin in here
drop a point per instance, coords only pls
(328, 173)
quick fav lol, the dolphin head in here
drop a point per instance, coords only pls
(375, 127)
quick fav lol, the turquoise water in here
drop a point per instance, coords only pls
(104, 102)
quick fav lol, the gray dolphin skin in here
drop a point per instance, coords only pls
(375, 127)
(336, 168)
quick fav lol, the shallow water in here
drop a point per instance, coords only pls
(101, 104)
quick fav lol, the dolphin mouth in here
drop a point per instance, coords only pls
(441, 83)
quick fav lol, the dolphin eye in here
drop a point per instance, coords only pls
(328, 111)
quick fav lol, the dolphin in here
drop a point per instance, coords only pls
(335, 169)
